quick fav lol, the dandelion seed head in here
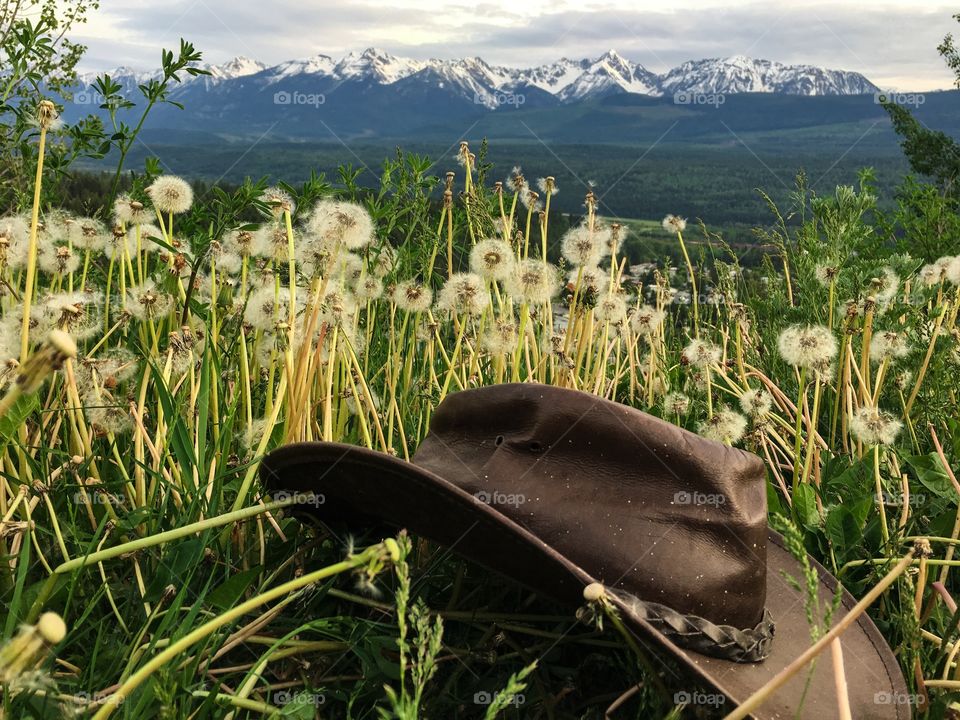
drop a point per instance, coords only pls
(807, 345)
(825, 274)
(228, 262)
(530, 199)
(888, 345)
(171, 194)
(76, 313)
(57, 259)
(548, 185)
(14, 228)
(356, 406)
(104, 412)
(267, 306)
(581, 246)
(552, 343)
(726, 426)
(113, 367)
(241, 242)
(534, 282)
(501, 338)
(413, 297)
(278, 201)
(884, 287)
(384, 263)
(516, 180)
(271, 240)
(130, 211)
(338, 221)
(903, 379)
(314, 258)
(349, 268)
(338, 307)
(254, 433)
(674, 224)
(931, 274)
(463, 293)
(756, 403)
(492, 259)
(54, 228)
(148, 301)
(86, 233)
(47, 115)
(368, 288)
(613, 238)
(952, 271)
(610, 309)
(823, 371)
(701, 354)
(873, 426)
(646, 320)
(593, 278)
(676, 403)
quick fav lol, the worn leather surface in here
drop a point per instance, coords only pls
(633, 500)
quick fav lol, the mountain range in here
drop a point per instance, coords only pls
(475, 81)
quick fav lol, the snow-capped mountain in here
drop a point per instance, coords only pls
(610, 73)
(565, 80)
(376, 65)
(739, 74)
(238, 67)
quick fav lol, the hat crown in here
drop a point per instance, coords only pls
(635, 501)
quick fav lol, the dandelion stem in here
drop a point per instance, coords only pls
(693, 286)
(28, 286)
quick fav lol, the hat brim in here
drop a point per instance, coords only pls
(363, 487)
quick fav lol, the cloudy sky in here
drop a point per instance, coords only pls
(893, 42)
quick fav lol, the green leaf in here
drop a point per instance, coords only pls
(805, 507)
(844, 526)
(15, 417)
(931, 474)
(225, 596)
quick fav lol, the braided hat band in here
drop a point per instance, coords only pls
(693, 632)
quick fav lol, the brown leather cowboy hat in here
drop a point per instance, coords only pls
(558, 489)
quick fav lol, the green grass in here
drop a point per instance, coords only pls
(129, 496)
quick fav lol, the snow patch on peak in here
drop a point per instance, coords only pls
(375, 64)
(238, 67)
(314, 65)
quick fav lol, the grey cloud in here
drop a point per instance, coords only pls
(890, 45)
